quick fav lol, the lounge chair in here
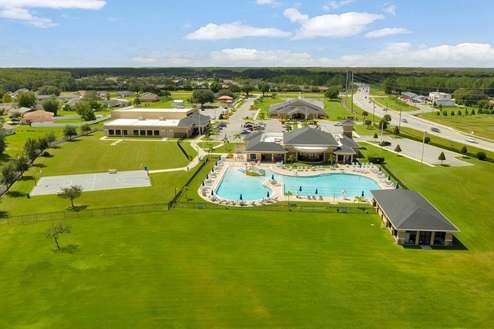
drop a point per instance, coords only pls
(321, 198)
(253, 203)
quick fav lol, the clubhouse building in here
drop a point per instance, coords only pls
(411, 219)
(305, 144)
(163, 123)
(298, 108)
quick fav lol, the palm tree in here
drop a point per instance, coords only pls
(291, 158)
(364, 114)
(358, 199)
(288, 194)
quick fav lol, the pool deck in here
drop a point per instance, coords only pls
(215, 177)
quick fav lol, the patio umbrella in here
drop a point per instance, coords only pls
(272, 177)
(216, 163)
(212, 192)
(316, 191)
(241, 197)
(397, 186)
(362, 193)
(267, 194)
(379, 168)
(212, 169)
(202, 183)
(207, 176)
(312, 164)
(389, 177)
(282, 161)
(300, 188)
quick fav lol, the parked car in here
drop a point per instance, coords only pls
(222, 124)
(337, 123)
(386, 143)
(435, 129)
(404, 120)
(471, 140)
(244, 132)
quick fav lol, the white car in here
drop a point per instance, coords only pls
(337, 123)
(471, 140)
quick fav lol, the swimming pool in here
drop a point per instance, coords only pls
(234, 183)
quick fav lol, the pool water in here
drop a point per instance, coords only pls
(235, 183)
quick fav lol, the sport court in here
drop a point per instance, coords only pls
(93, 182)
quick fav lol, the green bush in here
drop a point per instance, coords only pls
(375, 158)
(481, 155)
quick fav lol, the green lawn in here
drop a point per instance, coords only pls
(204, 269)
(15, 143)
(481, 124)
(89, 154)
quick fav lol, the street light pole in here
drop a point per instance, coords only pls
(382, 128)
(373, 110)
(423, 145)
(399, 123)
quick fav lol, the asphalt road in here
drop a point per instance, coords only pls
(362, 100)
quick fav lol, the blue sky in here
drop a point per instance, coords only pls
(245, 33)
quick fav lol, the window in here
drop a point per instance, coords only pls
(111, 132)
(135, 132)
(118, 132)
(125, 132)
(156, 132)
(142, 132)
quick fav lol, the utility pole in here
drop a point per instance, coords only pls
(351, 81)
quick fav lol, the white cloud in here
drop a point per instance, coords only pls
(113, 19)
(18, 9)
(265, 2)
(385, 32)
(405, 54)
(336, 4)
(23, 15)
(54, 4)
(342, 25)
(390, 9)
(233, 31)
(254, 57)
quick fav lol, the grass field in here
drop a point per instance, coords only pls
(224, 270)
(89, 154)
(481, 124)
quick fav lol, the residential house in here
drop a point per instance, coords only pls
(149, 97)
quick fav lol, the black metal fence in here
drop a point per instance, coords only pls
(85, 213)
(329, 208)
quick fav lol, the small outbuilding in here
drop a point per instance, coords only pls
(411, 219)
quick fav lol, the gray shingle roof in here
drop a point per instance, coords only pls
(347, 141)
(296, 105)
(256, 144)
(409, 210)
(308, 136)
(193, 119)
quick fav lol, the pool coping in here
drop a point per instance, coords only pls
(369, 171)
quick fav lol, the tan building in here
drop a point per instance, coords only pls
(163, 123)
(298, 109)
(411, 219)
(306, 144)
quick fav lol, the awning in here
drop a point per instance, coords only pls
(311, 149)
